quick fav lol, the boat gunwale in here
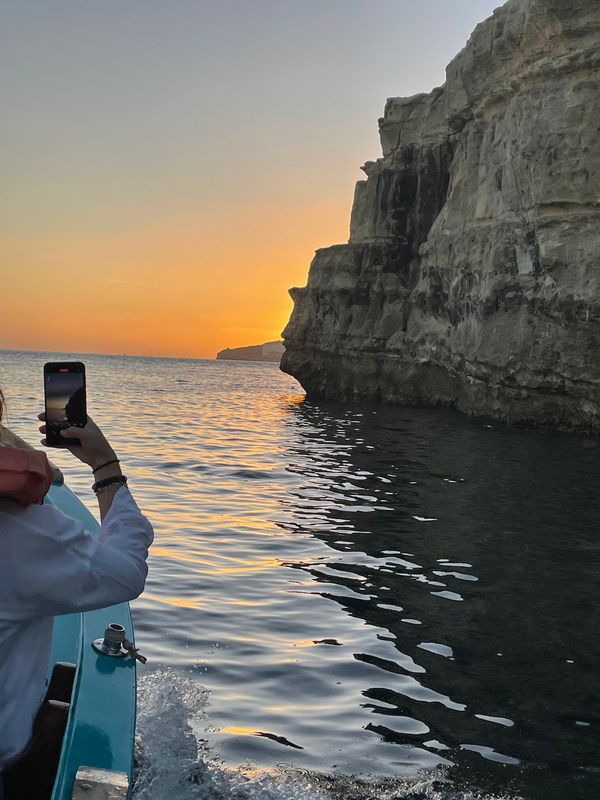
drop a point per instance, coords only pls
(103, 704)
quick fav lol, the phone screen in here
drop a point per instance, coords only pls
(65, 398)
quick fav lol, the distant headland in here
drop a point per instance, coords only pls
(270, 351)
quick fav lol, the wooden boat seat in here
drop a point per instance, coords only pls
(33, 774)
(60, 686)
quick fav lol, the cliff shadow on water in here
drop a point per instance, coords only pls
(472, 549)
(471, 275)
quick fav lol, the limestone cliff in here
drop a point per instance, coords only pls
(472, 274)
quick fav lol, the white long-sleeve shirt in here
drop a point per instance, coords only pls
(50, 565)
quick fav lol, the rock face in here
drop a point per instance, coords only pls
(472, 274)
(270, 351)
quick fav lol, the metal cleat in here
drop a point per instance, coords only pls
(115, 644)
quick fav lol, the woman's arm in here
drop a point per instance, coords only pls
(51, 565)
(94, 450)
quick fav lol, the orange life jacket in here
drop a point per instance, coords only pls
(25, 475)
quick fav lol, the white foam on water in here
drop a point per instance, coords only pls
(173, 761)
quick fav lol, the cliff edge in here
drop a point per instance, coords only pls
(472, 275)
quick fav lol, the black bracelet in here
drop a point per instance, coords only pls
(114, 461)
(104, 484)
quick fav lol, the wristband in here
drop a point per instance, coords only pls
(106, 464)
(99, 486)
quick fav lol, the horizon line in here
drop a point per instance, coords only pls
(122, 355)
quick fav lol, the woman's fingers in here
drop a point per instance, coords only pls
(74, 434)
(70, 432)
(88, 442)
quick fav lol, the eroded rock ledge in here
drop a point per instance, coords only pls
(472, 275)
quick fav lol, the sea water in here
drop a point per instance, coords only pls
(347, 601)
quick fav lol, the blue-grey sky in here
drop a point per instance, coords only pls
(143, 138)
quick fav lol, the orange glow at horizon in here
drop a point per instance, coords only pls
(168, 174)
(187, 287)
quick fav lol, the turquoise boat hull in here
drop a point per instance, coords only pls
(101, 727)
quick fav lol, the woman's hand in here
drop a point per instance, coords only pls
(93, 447)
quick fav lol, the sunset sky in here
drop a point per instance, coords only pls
(168, 167)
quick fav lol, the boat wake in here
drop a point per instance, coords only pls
(174, 762)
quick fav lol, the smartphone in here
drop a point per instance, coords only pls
(65, 400)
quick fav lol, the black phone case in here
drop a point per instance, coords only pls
(53, 438)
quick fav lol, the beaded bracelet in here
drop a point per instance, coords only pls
(100, 486)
